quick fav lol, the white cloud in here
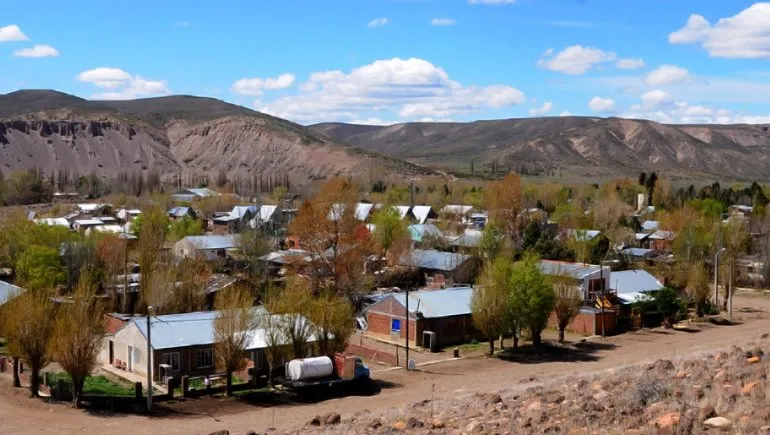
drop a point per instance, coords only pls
(181, 24)
(121, 85)
(408, 88)
(105, 77)
(39, 50)
(542, 110)
(442, 22)
(491, 2)
(601, 105)
(575, 59)
(565, 113)
(656, 98)
(377, 22)
(683, 112)
(256, 86)
(745, 35)
(667, 75)
(373, 121)
(12, 33)
(630, 63)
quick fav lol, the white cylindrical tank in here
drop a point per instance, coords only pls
(309, 368)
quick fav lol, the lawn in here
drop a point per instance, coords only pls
(97, 385)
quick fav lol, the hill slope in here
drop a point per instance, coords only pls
(172, 135)
(595, 146)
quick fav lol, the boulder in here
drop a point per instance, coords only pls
(413, 423)
(399, 425)
(681, 375)
(489, 398)
(753, 388)
(474, 426)
(332, 418)
(753, 360)
(316, 421)
(601, 396)
(718, 423)
(706, 411)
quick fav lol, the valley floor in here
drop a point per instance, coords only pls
(442, 382)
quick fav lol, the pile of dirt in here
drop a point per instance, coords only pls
(720, 392)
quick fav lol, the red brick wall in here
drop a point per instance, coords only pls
(378, 325)
(588, 323)
(373, 355)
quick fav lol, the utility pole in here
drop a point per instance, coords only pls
(716, 277)
(732, 289)
(149, 360)
(406, 319)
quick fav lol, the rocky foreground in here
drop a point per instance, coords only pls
(717, 393)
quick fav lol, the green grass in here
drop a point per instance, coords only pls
(97, 385)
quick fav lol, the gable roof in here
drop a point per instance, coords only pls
(203, 191)
(573, 270)
(421, 212)
(211, 242)
(583, 235)
(469, 239)
(456, 209)
(662, 235)
(650, 225)
(634, 281)
(54, 222)
(455, 301)
(362, 210)
(637, 252)
(420, 231)
(179, 211)
(435, 260)
(8, 291)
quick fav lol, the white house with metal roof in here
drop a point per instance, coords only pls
(442, 268)
(632, 285)
(587, 277)
(208, 247)
(188, 195)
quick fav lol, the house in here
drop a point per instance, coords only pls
(53, 222)
(740, 210)
(638, 253)
(583, 235)
(210, 247)
(650, 226)
(457, 213)
(84, 224)
(660, 240)
(189, 195)
(631, 285)
(442, 269)
(127, 215)
(436, 318)
(479, 220)
(421, 213)
(183, 343)
(363, 211)
(423, 232)
(470, 239)
(122, 231)
(238, 216)
(91, 209)
(277, 261)
(8, 291)
(589, 278)
(403, 210)
(265, 216)
(179, 212)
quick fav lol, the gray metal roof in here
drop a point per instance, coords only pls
(420, 231)
(637, 252)
(435, 260)
(211, 242)
(650, 225)
(179, 211)
(634, 281)
(421, 212)
(456, 209)
(433, 304)
(470, 239)
(193, 329)
(574, 270)
(8, 291)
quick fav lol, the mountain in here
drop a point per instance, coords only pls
(585, 145)
(173, 135)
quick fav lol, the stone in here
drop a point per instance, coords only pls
(399, 425)
(251, 432)
(474, 426)
(661, 365)
(668, 420)
(437, 424)
(489, 398)
(752, 388)
(413, 423)
(332, 418)
(220, 432)
(764, 429)
(720, 376)
(376, 424)
(316, 421)
(601, 396)
(706, 411)
(681, 375)
(718, 423)
(753, 360)
(535, 406)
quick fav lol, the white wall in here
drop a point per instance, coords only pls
(128, 336)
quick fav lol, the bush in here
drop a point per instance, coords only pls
(648, 391)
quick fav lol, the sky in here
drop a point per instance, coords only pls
(389, 61)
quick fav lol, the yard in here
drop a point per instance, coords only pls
(98, 385)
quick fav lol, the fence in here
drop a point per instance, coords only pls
(373, 355)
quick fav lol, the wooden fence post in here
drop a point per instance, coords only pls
(185, 386)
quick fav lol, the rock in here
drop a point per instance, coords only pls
(752, 388)
(489, 398)
(535, 406)
(718, 423)
(376, 424)
(764, 429)
(601, 396)
(473, 413)
(753, 360)
(437, 424)
(413, 423)
(721, 356)
(706, 411)
(399, 425)
(316, 421)
(661, 365)
(720, 376)
(474, 426)
(668, 420)
(251, 432)
(332, 418)
(220, 432)
(681, 375)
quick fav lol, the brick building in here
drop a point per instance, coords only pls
(437, 318)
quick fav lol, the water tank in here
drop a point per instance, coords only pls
(309, 368)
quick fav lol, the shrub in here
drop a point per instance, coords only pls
(648, 390)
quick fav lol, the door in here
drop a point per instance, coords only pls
(112, 352)
(130, 358)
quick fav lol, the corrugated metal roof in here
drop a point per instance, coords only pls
(641, 236)
(470, 239)
(574, 270)
(193, 329)
(663, 235)
(457, 209)
(637, 252)
(421, 213)
(287, 256)
(213, 241)
(650, 225)
(583, 235)
(8, 291)
(420, 231)
(433, 304)
(203, 191)
(634, 281)
(179, 211)
(82, 222)
(435, 260)
(62, 222)
(363, 210)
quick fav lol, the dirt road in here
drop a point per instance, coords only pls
(18, 414)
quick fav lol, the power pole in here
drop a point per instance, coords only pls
(149, 360)
(406, 318)
(732, 289)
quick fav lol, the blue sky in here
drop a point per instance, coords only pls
(384, 61)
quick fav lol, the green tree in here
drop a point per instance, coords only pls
(278, 194)
(181, 228)
(391, 233)
(253, 246)
(532, 297)
(566, 306)
(40, 268)
(489, 304)
(491, 244)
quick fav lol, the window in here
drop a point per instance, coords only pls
(171, 359)
(204, 358)
(395, 325)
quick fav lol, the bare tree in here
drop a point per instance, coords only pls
(79, 333)
(28, 323)
(566, 304)
(234, 328)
